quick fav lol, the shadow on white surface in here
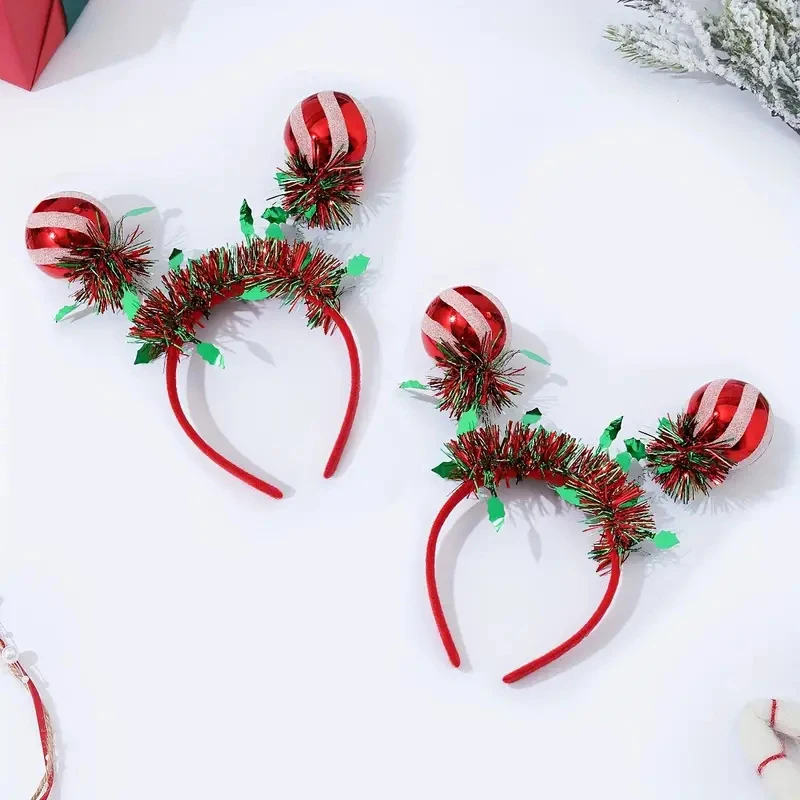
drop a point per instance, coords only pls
(229, 325)
(745, 487)
(623, 608)
(536, 376)
(111, 32)
(532, 501)
(153, 225)
(383, 175)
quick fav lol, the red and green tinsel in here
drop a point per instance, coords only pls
(324, 196)
(685, 462)
(585, 477)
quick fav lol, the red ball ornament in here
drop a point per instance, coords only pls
(465, 317)
(735, 413)
(327, 124)
(59, 224)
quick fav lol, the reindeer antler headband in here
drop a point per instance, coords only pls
(466, 329)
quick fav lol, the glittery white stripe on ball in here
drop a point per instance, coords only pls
(302, 136)
(474, 318)
(744, 413)
(58, 219)
(81, 196)
(707, 404)
(370, 126)
(46, 256)
(437, 332)
(760, 742)
(340, 138)
(765, 442)
(500, 307)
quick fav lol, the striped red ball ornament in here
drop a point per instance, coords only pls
(733, 414)
(329, 136)
(727, 424)
(61, 223)
(465, 317)
(465, 330)
(329, 124)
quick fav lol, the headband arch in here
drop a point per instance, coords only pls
(295, 273)
(615, 508)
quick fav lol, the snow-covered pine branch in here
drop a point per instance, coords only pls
(752, 44)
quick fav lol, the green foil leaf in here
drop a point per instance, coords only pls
(210, 353)
(636, 448)
(246, 221)
(664, 469)
(274, 231)
(496, 511)
(255, 293)
(175, 259)
(137, 212)
(357, 265)
(130, 303)
(468, 421)
(309, 215)
(146, 353)
(414, 385)
(630, 503)
(665, 540)
(568, 494)
(282, 177)
(624, 459)
(535, 357)
(275, 214)
(610, 433)
(664, 424)
(447, 469)
(64, 310)
(531, 417)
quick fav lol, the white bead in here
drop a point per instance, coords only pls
(10, 654)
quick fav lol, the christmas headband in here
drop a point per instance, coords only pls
(727, 423)
(295, 273)
(10, 656)
(71, 235)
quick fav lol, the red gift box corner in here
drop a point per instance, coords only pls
(30, 32)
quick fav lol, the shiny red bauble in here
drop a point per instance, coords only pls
(735, 412)
(465, 317)
(59, 224)
(329, 123)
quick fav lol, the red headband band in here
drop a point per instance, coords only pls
(614, 506)
(168, 317)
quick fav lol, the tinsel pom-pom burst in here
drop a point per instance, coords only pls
(465, 318)
(330, 124)
(59, 225)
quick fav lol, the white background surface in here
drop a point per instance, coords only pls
(200, 640)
